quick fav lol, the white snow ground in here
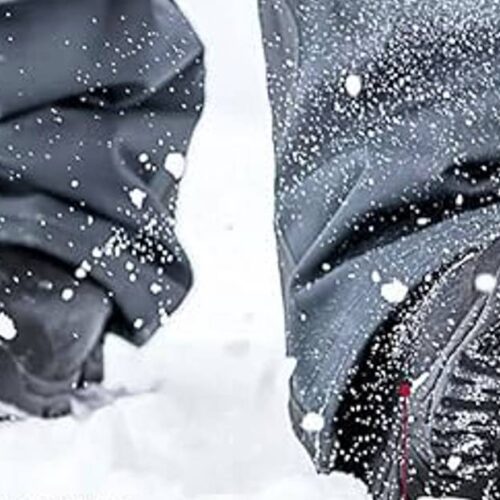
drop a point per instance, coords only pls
(199, 413)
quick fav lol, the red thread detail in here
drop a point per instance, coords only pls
(405, 393)
(405, 389)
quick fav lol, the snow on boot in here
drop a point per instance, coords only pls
(51, 332)
(454, 357)
(441, 435)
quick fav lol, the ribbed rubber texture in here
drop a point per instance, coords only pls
(465, 434)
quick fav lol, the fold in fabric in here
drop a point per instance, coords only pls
(386, 126)
(98, 99)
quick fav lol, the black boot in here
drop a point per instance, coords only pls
(457, 406)
(51, 332)
(447, 343)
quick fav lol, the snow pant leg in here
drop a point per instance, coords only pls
(386, 139)
(98, 101)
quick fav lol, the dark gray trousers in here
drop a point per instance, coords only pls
(96, 98)
(386, 127)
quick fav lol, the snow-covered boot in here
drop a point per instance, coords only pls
(449, 347)
(455, 362)
(51, 332)
(423, 413)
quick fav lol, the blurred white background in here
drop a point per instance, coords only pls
(226, 205)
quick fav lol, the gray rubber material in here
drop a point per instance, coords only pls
(58, 344)
(455, 433)
(446, 342)
(37, 397)
(32, 395)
